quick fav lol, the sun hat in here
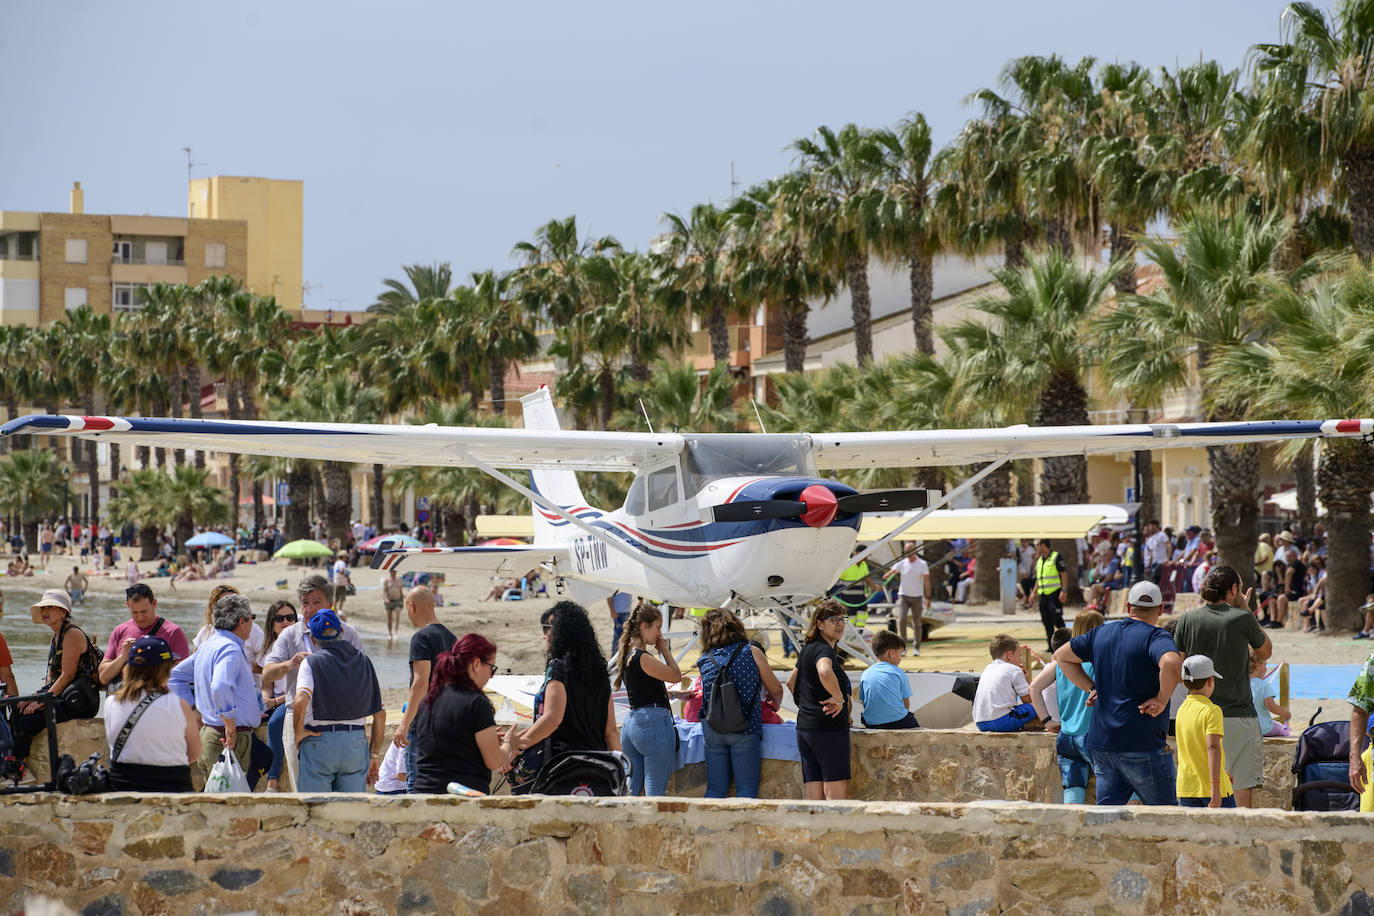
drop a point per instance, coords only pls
(325, 625)
(53, 597)
(1199, 667)
(151, 650)
(1285, 535)
(1145, 594)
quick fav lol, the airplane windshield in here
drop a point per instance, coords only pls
(711, 456)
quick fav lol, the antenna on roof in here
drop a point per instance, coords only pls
(189, 163)
(646, 414)
(762, 428)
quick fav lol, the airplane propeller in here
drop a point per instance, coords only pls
(818, 506)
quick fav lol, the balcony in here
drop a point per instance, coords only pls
(743, 339)
(163, 262)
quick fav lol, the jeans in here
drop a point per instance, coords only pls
(1075, 766)
(274, 739)
(1015, 719)
(649, 739)
(737, 756)
(412, 756)
(334, 762)
(616, 629)
(1199, 802)
(1150, 774)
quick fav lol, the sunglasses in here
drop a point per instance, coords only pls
(283, 618)
(491, 665)
(832, 618)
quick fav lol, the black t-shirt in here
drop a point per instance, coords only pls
(811, 692)
(428, 643)
(446, 741)
(584, 716)
(643, 689)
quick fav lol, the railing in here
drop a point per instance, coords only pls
(19, 257)
(168, 262)
(700, 344)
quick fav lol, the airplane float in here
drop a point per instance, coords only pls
(738, 520)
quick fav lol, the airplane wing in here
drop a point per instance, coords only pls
(401, 444)
(513, 560)
(913, 448)
(1009, 522)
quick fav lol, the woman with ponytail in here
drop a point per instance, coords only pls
(455, 729)
(648, 736)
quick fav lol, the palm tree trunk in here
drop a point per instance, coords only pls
(195, 409)
(497, 368)
(1234, 489)
(114, 470)
(454, 523)
(794, 316)
(1123, 253)
(718, 330)
(1359, 184)
(92, 462)
(147, 542)
(992, 491)
(379, 496)
(183, 530)
(1058, 236)
(235, 406)
(338, 495)
(318, 501)
(605, 381)
(298, 512)
(1064, 480)
(259, 511)
(922, 291)
(1345, 475)
(1307, 491)
(861, 306)
(181, 387)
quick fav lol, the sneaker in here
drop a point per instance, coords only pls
(915, 650)
(1362, 635)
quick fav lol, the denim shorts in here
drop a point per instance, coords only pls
(1075, 766)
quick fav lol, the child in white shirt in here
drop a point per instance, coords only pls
(1002, 702)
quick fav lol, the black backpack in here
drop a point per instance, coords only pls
(1322, 767)
(726, 713)
(585, 773)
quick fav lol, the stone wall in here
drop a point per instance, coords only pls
(289, 854)
(921, 765)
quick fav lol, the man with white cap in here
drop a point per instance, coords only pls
(1135, 670)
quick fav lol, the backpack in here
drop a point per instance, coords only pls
(726, 713)
(585, 773)
(1322, 767)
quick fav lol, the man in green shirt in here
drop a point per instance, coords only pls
(1226, 631)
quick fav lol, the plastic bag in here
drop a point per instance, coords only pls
(226, 775)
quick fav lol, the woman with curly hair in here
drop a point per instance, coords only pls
(649, 737)
(573, 709)
(456, 739)
(737, 756)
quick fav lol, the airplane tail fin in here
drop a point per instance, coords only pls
(560, 487)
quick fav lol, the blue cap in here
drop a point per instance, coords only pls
(325, 625)
(151, 650)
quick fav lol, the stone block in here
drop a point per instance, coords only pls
(91, 837)
(729, 863)
(372, 838)
(173, 882)
(867, 882)
(416, 897)
(48, 863)
(94, 876)
(236, 879)
(961, 872)
(468, 876)
(109, 905)
(438, 832)
(240, 828)
(526, 864)
(588, 893)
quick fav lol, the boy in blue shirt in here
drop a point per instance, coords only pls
(884, 689)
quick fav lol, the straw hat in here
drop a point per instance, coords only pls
(53, 597)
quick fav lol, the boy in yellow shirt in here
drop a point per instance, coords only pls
(1202, 778)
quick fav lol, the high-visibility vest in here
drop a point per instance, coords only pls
(697, 611)
(855, 571)
(1047, 574)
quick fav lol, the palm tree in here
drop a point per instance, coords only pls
(696, 271)
(905, 187)
(676, 398)
(842, 166)
(142, 502)
(1318, 362)
(1217, 278)
(85, 356)
(31, 486)
(1031, 355)
(1334, 57)
(427, 281)
(500, 329)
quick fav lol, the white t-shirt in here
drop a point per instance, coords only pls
(306, 681)
(339, 567)
(1156, 548)
(256, 638)
(913, 571)
(157, 739)
(1000, 689)
(391, 774)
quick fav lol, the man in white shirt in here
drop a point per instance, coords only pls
(912, 594)
(292, 646)
(1157, 550)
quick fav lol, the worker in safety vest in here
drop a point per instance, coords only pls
(1049, 587)
(852, 589)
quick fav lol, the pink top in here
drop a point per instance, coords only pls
(168, 631)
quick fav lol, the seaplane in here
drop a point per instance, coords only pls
(745, 521)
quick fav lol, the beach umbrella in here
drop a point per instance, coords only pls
(501, 542)
(209, 539)
(398, 541)
(297, 550)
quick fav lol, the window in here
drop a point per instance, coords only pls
(74, 297)
(76, 251)
(123, 251)
(155, 253)
(662, 486)
(129, 297)
(216, 255)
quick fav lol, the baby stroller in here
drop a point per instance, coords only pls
(585, 773)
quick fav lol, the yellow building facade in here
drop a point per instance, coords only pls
(273, 211)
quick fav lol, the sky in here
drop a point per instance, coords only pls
(449, 131)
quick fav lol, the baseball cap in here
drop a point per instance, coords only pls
(53, 597)
(325, 625)
(140, 590)
(1199, 667)
(151, 650)
(1145, 594)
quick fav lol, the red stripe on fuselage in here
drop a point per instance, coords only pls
(665, 545)
(731, 497)
(1347, 426)
(98, 422)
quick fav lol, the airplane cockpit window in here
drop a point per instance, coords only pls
(724, 455)
(662, 488)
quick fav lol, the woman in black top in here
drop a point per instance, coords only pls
(455, 730)
(821, 689)
(73, 666)
(649, 737)
(573, 707)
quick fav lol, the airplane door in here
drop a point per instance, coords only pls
(663, 497)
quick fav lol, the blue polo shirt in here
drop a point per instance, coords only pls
(882, 689)
(1125, 656)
